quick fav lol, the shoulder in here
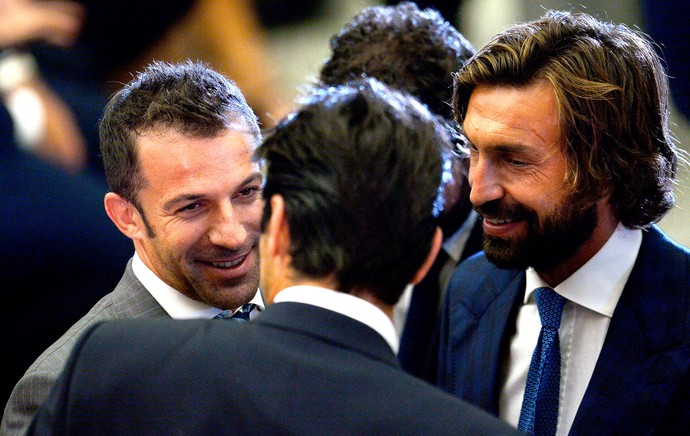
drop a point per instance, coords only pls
(661, 264)
(124, 338)
(53, 358)
(477, 278)
(33, 388)
(36, 382)
(144, 352)
(35, 385)
(656, 241)
(659, 288)
(452, 415)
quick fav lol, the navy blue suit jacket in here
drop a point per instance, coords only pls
(641, 381)
(296, 369)
(419, 338)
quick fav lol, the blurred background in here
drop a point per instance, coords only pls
(59, 252)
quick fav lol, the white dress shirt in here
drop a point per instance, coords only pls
(178, 305)
(591, 294)
(344, 304)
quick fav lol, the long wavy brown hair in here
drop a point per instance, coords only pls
(613, 97)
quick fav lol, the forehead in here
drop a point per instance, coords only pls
(513, 115)
(170, 155)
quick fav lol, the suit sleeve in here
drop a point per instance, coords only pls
(50, 419)
(29, 393)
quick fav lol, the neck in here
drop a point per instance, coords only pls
(371, 298)
(330, 283)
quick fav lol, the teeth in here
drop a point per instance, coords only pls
(497, 221)
(227, 264)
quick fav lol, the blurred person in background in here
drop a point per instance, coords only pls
(416, 50)
(59, 252)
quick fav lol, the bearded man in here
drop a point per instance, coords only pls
(575, 318)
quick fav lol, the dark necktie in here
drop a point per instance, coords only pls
(241, 315)
(539, 414)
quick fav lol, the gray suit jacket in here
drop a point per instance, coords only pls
(129, 299)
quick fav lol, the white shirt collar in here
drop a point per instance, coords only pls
(176, 304)
(599, 283)
(344, 304)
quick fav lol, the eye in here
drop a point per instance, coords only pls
(517, 163)
(248, 192)
(189, 208)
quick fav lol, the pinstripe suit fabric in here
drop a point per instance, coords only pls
(129, 299)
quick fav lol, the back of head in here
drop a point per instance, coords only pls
(189, 98)
(358, 208)
(402, 46)
(612, 94)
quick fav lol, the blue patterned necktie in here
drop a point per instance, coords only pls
(539, 414)
(241, 315)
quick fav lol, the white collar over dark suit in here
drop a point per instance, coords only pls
(296, 369)
(641, 381)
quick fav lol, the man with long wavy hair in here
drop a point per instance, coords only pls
(571, 166)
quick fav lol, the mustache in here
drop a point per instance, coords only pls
(497, 209)
(219, 252)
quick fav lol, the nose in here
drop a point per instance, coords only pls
(484, 181)
(227, 229)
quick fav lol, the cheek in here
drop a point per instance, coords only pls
(181, 239)
(251, 216)
(545, 200)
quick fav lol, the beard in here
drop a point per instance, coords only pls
(546, 244)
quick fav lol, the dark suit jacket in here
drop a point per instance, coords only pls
(641, 381)
(419, 338)
(297, 369)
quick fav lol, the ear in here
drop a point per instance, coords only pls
(277, 231)
(433, 251)
(125, 216)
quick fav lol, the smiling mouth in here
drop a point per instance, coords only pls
(229, 264)
(498, 221)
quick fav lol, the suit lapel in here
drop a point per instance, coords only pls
(496, 328)
(641, 361)
(481, 317)
(130, 299)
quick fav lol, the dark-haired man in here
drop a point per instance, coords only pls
(177, 145)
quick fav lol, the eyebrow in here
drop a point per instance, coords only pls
(500, 148)
(505, 148)
(510, 148)
(170, 204)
